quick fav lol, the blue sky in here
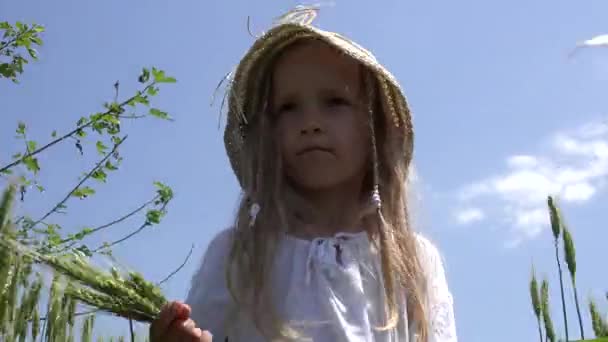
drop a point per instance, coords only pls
(502, 119)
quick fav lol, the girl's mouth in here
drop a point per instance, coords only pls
(314, 149)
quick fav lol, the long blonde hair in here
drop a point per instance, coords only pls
(254, 243)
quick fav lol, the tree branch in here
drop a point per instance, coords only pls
(104, 226)
(143, 225)
(133, 116)
(65, 136)
(69, 134)
(177, 269)
(97, 166)
(6, 44)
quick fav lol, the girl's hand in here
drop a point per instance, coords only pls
(174, 325)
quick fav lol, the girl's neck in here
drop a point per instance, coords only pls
(327, 212)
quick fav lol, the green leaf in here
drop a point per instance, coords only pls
(168, 80)
(114, 108)
(160, 77)
(20, 128)
(36, 40)
(85, 250)
(38, 28)
(7, 172)
(99, 175)
(17, 156)
(5, 25)
(81, 133)
(138, 98)
(109, 166)
(153, 216)
(31, 145)
(83, 192)
(164, 192)
(61, 208)
(159, 114)
(31, 164)
(152, 91)
(27, 223)
(81, 121)
(39, 187)
(33, 53)
(7, 70)
(84, 232)
(54, 134)
(157, 74)
(20, 26)
(101, 148)
(98, 126)
(24, 180)
(112, 118)
(53, 238)
(145, 76)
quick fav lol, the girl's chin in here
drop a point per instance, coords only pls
(322, 183)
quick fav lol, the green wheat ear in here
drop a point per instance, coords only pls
(534, 295)
(555, 216)
(570, 252)
(35, 324)
(544, 290)
(6, 205)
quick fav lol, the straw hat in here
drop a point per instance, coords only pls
(245, 86)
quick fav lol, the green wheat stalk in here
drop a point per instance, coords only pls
(549, 332)
(87, 329)
(570, 253)
(130, 296)
(556, 225)
(536, 303)
(599, 326)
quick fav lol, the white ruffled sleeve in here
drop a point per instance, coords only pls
(209, 296)
(442, 325)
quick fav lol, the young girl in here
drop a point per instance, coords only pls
(320, 138)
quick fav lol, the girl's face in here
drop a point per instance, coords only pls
(321, 117)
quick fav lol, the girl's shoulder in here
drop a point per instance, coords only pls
(214, 257)
(426, 247)
(221, 239)
(430, 257)
(218, 248)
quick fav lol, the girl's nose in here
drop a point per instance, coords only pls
(312, 128)
(312, 122)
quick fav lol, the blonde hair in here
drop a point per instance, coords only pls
(252, 252)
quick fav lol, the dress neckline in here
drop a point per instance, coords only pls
(346, 236)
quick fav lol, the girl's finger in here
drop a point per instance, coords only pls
(196, 335)
(205, 336)
(180, 330)
(168, 314)
(188, 325)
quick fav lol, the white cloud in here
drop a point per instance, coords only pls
(579, 192)
(469, 215)
(522, 161)
(573, 167)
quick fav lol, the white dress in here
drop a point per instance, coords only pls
(335, 283)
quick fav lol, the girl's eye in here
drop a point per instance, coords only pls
(337, 101)
(287, 107)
